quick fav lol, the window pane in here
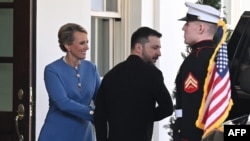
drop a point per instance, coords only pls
(97, 5)
(6, 32)
(100, 37)
(112, 5)
(6, 77)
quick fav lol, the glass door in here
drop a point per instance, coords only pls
(16, 53)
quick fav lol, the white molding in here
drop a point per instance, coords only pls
(233, 12)
(126, 16)
(105, 14)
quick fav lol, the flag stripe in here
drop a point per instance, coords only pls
(216, 102)
(218, 105)
(218, 98)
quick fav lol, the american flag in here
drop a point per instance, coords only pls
(216, 102)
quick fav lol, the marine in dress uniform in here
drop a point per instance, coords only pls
(191, 76)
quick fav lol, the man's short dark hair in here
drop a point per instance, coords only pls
(141, 35)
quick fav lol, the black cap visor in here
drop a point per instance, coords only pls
(190, 17)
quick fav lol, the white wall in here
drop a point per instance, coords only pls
(172, 46)
(234, 9)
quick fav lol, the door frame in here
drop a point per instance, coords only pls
(25, 16)
(24, 68)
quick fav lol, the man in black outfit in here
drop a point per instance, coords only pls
(132, 95)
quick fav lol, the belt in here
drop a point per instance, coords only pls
(178, 113)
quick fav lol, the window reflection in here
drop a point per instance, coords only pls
(97, 5)
(104, 5)
(6, 32)
(6, 87)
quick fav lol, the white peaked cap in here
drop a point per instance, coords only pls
(199, 12)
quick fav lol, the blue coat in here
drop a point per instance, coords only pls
(68, 117)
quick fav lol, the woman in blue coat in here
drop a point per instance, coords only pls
(71, 83)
